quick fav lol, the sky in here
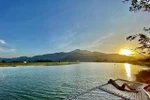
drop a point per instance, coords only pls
(32, 27)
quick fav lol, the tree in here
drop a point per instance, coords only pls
(143, 39)
(3, 61)
(43, 61)
(143, 76)
(137, 5)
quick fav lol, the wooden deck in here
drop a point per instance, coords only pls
(109, 92)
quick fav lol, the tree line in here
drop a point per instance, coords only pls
(4, 61)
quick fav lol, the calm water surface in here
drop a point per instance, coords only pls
(58, 82)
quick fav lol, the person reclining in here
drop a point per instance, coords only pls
(123, 87)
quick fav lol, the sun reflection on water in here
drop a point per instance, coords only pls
(128, 71)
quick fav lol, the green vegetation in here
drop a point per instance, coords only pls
(142, 62)
(14, 64)
(138, 62)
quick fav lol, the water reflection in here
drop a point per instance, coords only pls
(58, 82)
(128, 71)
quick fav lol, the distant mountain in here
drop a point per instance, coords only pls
(54, 57)
(84, 55)
(76, 55)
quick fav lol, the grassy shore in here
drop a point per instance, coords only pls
(142, 63)
(135, 62)
(14, 64)
(10, 64)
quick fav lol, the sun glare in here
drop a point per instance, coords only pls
(128, 70)
(126, 52)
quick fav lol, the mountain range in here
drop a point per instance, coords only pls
(76, 55)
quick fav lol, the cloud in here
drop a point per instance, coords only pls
(5, 50)
(2, 41)
(12, 49)
(5, 47)
(62, 45)
(68, 39)
(65, 43)
(1, 49)
(101, 40)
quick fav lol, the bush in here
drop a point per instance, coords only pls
(43, 61)
(3, 61)
(143, 76)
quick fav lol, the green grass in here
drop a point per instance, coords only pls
(34, 64)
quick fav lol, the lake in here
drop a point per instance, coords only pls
(59, 82)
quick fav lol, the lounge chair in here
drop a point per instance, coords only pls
(109, 92)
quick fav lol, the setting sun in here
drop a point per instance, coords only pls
(126, 52)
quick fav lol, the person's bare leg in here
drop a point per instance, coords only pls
(126, 85)
(131, 89)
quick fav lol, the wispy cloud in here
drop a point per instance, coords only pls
(1, 49)
(68, 39)
(5, 47)
(2, 41)
(12, 49)
(101, 40)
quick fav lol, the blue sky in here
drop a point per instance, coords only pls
(31, 27)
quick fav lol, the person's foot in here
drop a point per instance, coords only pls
(110, 81)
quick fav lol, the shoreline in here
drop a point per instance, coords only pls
(10, 64)
(35, 64)
(140, 63)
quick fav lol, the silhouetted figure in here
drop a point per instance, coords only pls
(130, 89)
